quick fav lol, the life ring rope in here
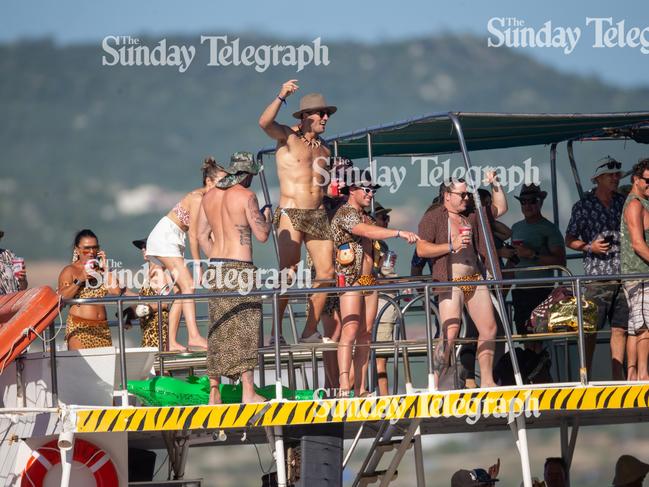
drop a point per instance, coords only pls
(45, 457)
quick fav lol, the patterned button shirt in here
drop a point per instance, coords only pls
(589, 220)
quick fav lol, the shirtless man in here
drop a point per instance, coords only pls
(231, 213)
(301, 216)
(453, 242)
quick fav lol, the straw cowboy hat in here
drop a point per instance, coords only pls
(312, 103)
(241, 165)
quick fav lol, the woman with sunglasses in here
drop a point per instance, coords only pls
(353, 232)
(86, 277)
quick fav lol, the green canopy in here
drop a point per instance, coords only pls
(435, 134)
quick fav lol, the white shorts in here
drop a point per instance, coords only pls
(637, 295)
(166, 240)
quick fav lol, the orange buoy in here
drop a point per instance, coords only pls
(48, 455)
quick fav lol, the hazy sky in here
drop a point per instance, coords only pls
(71, 21)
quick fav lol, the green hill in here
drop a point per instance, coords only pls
(76, 136)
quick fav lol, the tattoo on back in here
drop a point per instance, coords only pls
(244, 235)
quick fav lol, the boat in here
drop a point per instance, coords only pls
(99, 416)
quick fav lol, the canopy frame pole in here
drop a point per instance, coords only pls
(575, 172)
(491, 251)
(369, 164)
(291, 317)
(518, 427)
(568, 445)
(553, 181)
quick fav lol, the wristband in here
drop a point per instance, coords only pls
(283, 100)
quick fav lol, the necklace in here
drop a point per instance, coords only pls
(313, 143)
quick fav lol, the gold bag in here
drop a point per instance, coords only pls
(563, 315)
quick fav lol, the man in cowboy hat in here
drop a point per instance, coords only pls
(232, 214)
(301, 158)
(11, 280)
(538, 242)
(594, 229)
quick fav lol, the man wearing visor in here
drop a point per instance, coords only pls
(594, 229)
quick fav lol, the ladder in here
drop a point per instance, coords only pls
(389, 438)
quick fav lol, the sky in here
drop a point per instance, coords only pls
(75, 21)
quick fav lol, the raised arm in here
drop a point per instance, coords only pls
(498, 198)
(260, 223)
(267, 121)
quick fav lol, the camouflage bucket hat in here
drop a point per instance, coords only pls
(241, 164)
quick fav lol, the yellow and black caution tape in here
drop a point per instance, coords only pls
(468, 405)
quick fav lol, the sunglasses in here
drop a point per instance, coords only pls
(611, 165)
(461, 194)
(90, 247)
(529, 201)
(646, 180)
(321, 113)
(370, 191)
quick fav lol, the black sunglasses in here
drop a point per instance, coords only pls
(461, 194)
(321, 113)
(529, 201)
(611, 165)
(646, 180)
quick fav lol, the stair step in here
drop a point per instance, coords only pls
(371, 477)
(389, 445)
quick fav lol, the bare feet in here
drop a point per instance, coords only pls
(177, 347)
(253, 398)
(470, 384)
(197, 342)
(484, 384)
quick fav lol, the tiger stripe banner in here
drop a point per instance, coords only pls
(470, 405)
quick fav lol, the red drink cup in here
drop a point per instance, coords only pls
(465, 230)
(334, 188)
(18, 265)
(340, 280)
(517, 241)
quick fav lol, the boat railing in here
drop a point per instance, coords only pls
(390, 289)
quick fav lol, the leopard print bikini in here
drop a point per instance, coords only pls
(90, 333)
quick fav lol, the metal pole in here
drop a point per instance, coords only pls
(55, 381)
(264, 188)
(491, 251)
(335, 148)
(429, 340)
(291, 317)
(278, 365)
(277, 430)
(122, 354)
(575, 173)
(583, 372)
(369, 163)
(553, 180)
(161, 346)
(518, 427)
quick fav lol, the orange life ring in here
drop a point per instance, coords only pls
(48, 455)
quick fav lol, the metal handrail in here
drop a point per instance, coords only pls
(428, 288)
